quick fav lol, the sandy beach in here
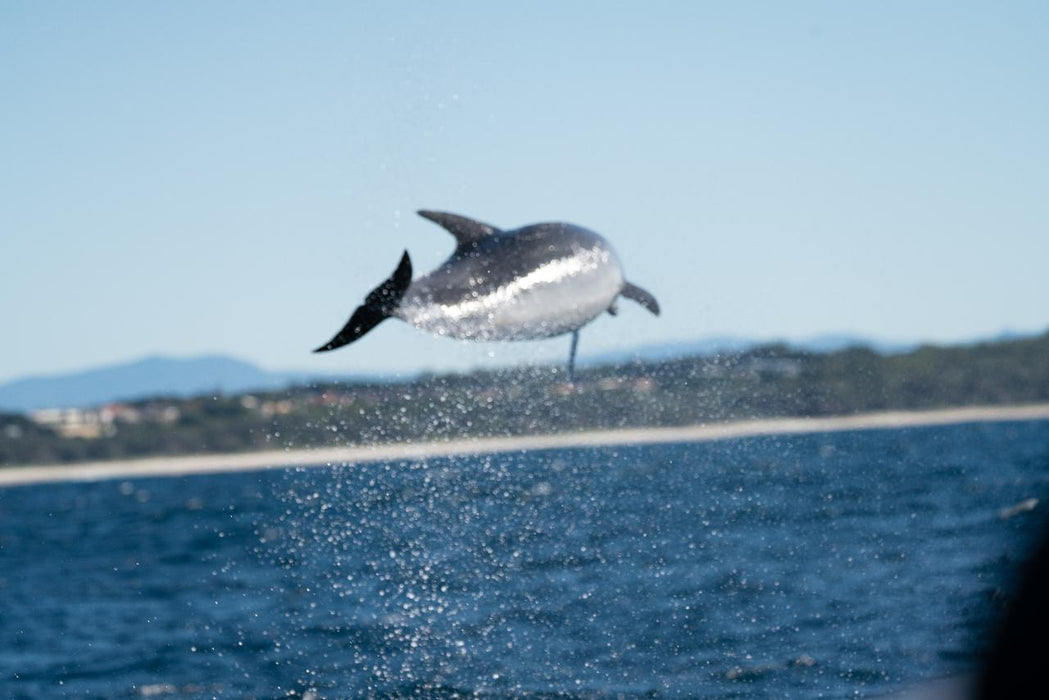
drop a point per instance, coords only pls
(279, 459)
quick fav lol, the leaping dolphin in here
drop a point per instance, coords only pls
(537, 281)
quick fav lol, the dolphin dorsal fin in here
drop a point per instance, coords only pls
(467, 232)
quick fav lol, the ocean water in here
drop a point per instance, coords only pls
(827, 565)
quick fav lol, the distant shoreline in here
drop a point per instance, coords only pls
(326, 456)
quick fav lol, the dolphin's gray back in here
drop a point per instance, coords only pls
(535, 282)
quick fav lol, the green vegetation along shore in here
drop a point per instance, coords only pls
(767, 382)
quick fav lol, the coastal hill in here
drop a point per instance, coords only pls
(219, 374)
(147, 377)
(762, 382)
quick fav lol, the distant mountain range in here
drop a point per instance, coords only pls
(152, 376)
(166, 376)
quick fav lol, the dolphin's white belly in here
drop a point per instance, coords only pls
(553, 296)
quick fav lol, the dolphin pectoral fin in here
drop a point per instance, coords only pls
(467, 232)
(380, 303)
(635, 293)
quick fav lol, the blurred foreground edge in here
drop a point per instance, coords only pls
(1012, 665)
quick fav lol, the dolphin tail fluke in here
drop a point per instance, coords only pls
(635, 293)
(378, 306)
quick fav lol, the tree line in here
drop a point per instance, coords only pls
(769, 381)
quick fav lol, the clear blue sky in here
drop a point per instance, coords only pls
(233, 177)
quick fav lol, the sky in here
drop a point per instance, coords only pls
(200, 177)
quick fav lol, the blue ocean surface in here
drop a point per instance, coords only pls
(825, 565)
